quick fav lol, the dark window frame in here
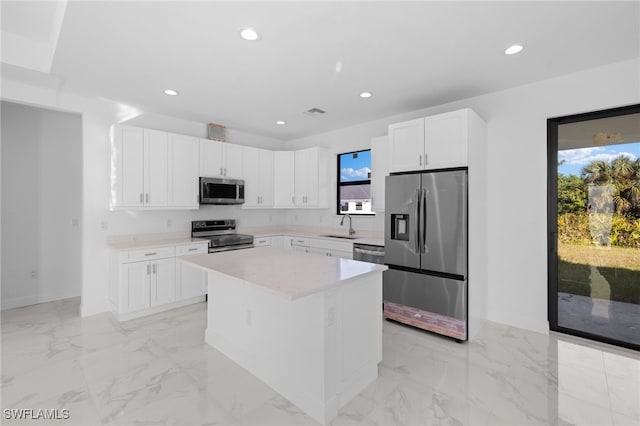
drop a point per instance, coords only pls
(341, 184)
(552, 219)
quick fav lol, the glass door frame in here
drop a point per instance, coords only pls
(552, 218)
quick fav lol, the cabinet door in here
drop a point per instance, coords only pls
(284, 178)
(127, 147)
(137, 286)
(163, 289)
(379, 170)
(313, 182)
(232, 161)
(266, 178)
(251, 177)
(183, 171)
(287, 242)
(406, 146)
(190, 281)
(262, 242)
(301, 178)
(155, 165)
(446, 137)
(210, 158)
(277, 242)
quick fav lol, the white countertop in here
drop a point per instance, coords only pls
(284, 272)
(134, 244)
(257, 233)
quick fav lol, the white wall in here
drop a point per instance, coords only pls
(41, 205)
(517, 175)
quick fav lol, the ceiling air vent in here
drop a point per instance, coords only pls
(315, 112)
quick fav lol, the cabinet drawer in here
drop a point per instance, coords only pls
(150, 254)
(192, 249)
(262, 242)
(300, 241)
(333, 245)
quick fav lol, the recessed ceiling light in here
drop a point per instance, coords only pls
(513, 49)
(365, 95)
(249, 34)
(280, 122)
(170, 92)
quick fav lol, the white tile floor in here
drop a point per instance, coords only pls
(158, 371)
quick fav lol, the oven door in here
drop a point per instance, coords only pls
(221, 191)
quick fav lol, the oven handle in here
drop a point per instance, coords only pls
(371, 252)
(229, 248)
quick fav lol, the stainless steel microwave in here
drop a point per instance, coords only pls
(221, 191)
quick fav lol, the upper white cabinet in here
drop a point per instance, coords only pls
(311, 178)
(284, 179)
(183, 171)
(439, 141)
(221, 159)
(406, 145)
(379, 170)
(151, 169)
(258, 177)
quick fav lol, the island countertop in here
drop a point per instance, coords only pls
(284, 272)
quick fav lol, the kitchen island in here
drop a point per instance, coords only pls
(309, 326)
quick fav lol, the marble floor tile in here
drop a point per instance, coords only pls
(158, 370)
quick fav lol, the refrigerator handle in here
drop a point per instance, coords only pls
(423, 196)
(417, 216)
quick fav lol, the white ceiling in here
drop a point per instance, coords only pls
(410, 55)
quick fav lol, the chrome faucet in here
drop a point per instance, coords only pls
(351, 230)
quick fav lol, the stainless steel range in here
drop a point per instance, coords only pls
(221, 234)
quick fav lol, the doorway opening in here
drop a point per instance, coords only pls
(594, 225)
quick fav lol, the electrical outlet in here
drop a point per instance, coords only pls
(104, 225)
(34, 274)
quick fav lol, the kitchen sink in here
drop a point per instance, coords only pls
(346, 237)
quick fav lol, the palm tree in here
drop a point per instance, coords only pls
(624, 174)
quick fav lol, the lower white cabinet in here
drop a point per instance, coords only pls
(262, 242)
(326, 247)
(151, 280)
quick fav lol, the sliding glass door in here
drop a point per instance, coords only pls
(594, 225)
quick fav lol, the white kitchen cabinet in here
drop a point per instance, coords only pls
(311, 179)
(184, 154)
(190, 281)
(379, 170)
(139, 168)
(406, 145)
(446, 139)
(137, 287)
(326, 247)
(262, 242)
(287, 242)
(284, 179)
(277, 241)
(221, 159)
(147, 281)
(435, 142)
(153, 170)
(163, 281)
(258, 177)
(146, 284)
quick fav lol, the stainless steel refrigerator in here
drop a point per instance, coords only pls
(426, 251)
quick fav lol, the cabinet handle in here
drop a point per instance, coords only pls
(151, 254)
(141, 198)
(148, 269)
(426, 156)
(154, 268)
(258, 200)
(193, 249)
(225, 171)
(146, 196)
(221, 172)
(420, 156)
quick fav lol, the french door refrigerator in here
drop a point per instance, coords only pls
(426, 251)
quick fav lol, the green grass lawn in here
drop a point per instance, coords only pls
(605, 273)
